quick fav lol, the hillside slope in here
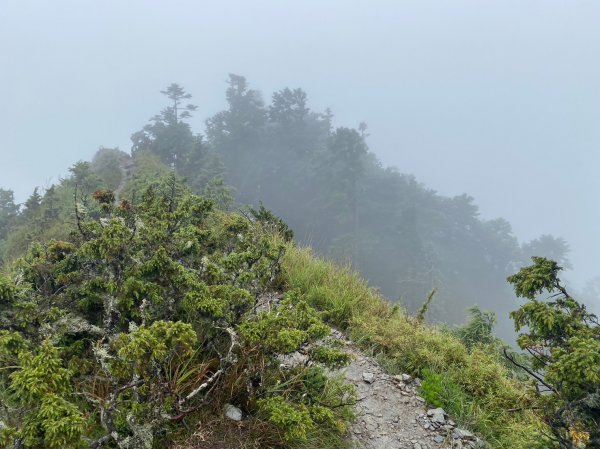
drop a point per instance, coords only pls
(118, 274)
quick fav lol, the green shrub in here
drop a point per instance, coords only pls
(143, 319)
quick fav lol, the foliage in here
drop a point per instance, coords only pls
(324, 182)
(145, 316)
(140, 272)
(440, 390)
(8, 211)
(170, 137)
(563, 339)
(478, 330)
(107, 164)
(272, 222)
(472, 383)
(425, 307)
(338, 198)
(305, 401)
(42, 387)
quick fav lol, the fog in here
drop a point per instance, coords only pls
(496, 99)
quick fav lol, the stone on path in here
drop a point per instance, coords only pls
(368, 377)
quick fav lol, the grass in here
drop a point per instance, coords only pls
(474, 385)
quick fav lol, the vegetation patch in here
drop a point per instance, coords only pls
(143, 322)
(468, 380)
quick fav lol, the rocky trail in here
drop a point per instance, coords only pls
(390, 413)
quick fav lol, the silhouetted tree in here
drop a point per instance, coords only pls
(168, 135)
(8, 211)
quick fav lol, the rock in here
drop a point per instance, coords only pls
(406, 378)
(461, 434)
(433, 411)
(368, 377)
(437, 415)
(438, 439)
(232, 412)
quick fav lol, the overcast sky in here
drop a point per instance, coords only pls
(499, 99)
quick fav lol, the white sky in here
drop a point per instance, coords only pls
(499, 98)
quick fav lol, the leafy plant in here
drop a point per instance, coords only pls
(563, 339)
(145, 317)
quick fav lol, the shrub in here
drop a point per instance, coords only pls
(144, 318)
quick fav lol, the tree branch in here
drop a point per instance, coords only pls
(529, 371)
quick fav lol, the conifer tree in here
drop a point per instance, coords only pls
(563, 340)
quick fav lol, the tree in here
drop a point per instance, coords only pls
(168, 135)
(50, 206)
(33, 203)
(550, 247)
(563, 340)
(288, 106)
(178, 111)
(172, 140)
(347, 150)
(237, 136)
(8, 211)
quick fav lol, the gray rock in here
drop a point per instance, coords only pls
(433, 411)
(437, 415)
(461, 434)
(232, 412)
(438, 439)
(406, 378)
(368, 377)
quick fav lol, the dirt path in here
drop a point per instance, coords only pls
(391, 415)
(125, 167)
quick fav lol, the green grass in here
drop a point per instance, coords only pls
(473, 385)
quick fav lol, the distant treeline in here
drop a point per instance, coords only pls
(325, 183)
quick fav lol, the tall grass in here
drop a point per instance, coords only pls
(472, 384)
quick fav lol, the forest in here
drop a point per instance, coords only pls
(404, 238)
(149, 290)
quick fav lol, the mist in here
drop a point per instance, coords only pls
(497, 100)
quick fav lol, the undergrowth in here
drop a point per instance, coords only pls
(472, 384)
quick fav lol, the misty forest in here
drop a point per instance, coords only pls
(132, 291)
(325, 184)
(258, 277)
